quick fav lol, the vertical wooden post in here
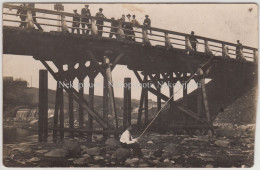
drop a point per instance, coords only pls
(110, 89)
(159, 101)
(140, 110)
(185, 92)
(204, 95)
(91, 105)
(61, 101)
(127, 103)
(81, 111)
(145, 101)
(29, 19)
(105, 103)
(71, 113)
(199, 98)
(255, 53)
(171, 90)
(43, 106)
(55, 118)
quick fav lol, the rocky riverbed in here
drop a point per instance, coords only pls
(229, 146)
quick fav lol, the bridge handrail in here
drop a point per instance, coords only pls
(144, 32)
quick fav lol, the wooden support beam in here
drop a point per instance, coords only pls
(199, 98)
(205, 100)
(146, 118)
(185, 95)
(88, 131)
(91, 105)
(110, 89)
(81, 111)
(171, 89)
(140, 110)
(71, 105)
(43, 106)
(105, 103)
(61, 101)
(77, 98)
(56, 112)
(127, 103)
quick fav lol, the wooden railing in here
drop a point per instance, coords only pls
(157, 36)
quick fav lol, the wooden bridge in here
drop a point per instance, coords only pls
(162, 56)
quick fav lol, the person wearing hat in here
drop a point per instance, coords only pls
(147, 23)
(85, 13)
(100, 21)
(135, 22)
(76, 22)
(193, 41)
(128, 28)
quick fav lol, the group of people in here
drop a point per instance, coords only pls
(126, 23)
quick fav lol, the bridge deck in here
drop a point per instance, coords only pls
(73, 48)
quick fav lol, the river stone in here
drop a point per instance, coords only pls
(93, 151)
(34, 159)
(72, 147)
(222, 143)
(150, 142)
(81, 161)
(121, 154)
(57, 153)
(112, 142)
(209, 166)
(171, 151)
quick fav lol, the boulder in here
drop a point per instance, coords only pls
(150, 142)
(93, 151)
(132, 161)
(222, 143)
(72, 147)
(171, 152)
(81, 161)
(57, 153)
(209, 166)
(112, 142)
(121, 154)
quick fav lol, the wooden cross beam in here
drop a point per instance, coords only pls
(79, 98)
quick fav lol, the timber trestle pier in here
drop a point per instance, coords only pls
(161, 57)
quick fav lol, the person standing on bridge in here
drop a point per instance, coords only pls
(76, 22)
(193, 41)
(127, 141)
(113, 30)
(85, 13)
(129, 28)
(23, 15)
(147, 23)
(100, 21)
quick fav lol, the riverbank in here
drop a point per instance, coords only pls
(230, 146)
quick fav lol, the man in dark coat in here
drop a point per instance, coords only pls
(193, 41)
(147, 23)
(22, 12)
(76, 22)
(85, 12)
(113, 31)
(100, 21)
(128, 28)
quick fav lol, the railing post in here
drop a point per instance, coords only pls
(168, 43)
(188, 44)
(241, 54)
(64, 26)
(207, 49)
(120, 33)
(29, 19)
(145, 36)
(225, 51)
(255, 56)
(93, 27)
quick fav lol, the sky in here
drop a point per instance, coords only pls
(227, 22)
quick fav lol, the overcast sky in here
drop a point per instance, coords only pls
(227, 22)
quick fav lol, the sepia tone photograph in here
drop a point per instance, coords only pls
(141, 85)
